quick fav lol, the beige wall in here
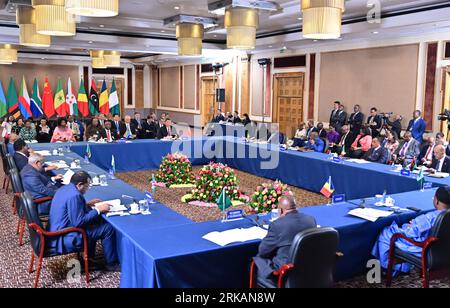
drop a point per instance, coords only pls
(385, 78)
(39, 71)
(139, 87)
(257, 95)
(190, 87)
(170, 87)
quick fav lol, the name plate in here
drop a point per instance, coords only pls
(337, 159)
(235, 215)
(339, 199)
(405, 172)
(427, 186)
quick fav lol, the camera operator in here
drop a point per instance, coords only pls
(396, 125)
(374, 122)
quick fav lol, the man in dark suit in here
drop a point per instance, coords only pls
(117, 123)
(150, 128)
(111, 134)
(346, 142)
(167, 130)
(356, 120)
(409, 150)
(69, 209)
(322, 131)
(417, 126)
(334, 113)
(341, 118)
(374, 122)
(377, 154)
(427, 153)
(37, 183)
(274, 248)
(22, 152)
(311, 129)
(441, 162)
(137, 122)
(129, 130)
(395, 126)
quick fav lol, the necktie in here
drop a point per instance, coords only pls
(403, 151)
(169, 131)
(439, 167)
(128, 130)
(108, 135)
(117, 126)
(430, 149)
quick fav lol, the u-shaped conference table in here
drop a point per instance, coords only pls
(166, 249)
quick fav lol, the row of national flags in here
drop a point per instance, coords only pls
(60, 104)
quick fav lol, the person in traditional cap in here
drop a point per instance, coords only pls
(417, 230)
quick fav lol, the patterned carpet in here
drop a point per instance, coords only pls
(14, 260)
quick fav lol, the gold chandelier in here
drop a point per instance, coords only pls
(26, 19)
(93, 8)
(111, 58)
(104, 59)
(190, 37)
(322, 19)
(241, 24)
(52, 18)
(8, 54)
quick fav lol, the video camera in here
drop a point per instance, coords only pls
(386, 114)
(444, 116)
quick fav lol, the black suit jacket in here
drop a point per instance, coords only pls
(117, 126)
(162, 132)
(445, 167)
(123, 130)
(149, 130)
(323, 133)
(356, 121)
(348, 140)
(21, 161)
(114, 135)
(423, 152)
(274, 248)
(95, 131)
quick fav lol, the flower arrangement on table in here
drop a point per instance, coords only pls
(175, 171)
(266, 197)
(210, 183)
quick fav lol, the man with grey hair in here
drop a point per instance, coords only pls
(37, 183)
(274, 248)
(409, 150)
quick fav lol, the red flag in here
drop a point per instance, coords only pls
(47, 100)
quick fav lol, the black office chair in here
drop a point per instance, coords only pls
(435, 260)
(6, 180)
(311, 264)
(39, 236)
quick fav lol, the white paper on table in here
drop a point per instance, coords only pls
(115, 205)
(44, 153)
(67, 177)
(358, 161)
(236, 236)
(370, 214)
(439, 175)
(59, 164)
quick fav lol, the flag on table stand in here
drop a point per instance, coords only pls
(104, 103)
(224, 202)
(13, 100)
(421, 178)
(88, 154)
(71, 99)
(83, 102)
(112, 171)
(413, 165)
(36, 101)
(93, 99)
(328, 189)
(114, 104)
(24, 100)
(48, 105)
(3, 105)
(60, 100)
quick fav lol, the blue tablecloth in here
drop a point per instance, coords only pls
(179, 257)
(166, 249)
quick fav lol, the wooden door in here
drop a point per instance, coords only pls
(288, 99)
(207, 100)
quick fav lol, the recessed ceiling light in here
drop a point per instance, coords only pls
(300, 18)
(91, 42)
(102, 26)
(375, 32)
(215, 35)
(270, 46)
(315, 41)
(162, 31)
(176, 7)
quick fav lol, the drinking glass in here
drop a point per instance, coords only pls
(103, 180)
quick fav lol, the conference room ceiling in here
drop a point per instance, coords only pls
(139, 29)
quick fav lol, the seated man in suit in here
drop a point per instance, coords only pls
(137, 122)
(322, 131)
(150, 127)
(37, 183)
(274, 248)
(377, 154)
(315, 143)
(69, 209)
(426, 154)
(110, 133)
(22, 152)
(417, 230)
(117, 123)
(129, 130)
(417, 126)
(167, 130)
(410, 149)
(346, 141)
(441, 162)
